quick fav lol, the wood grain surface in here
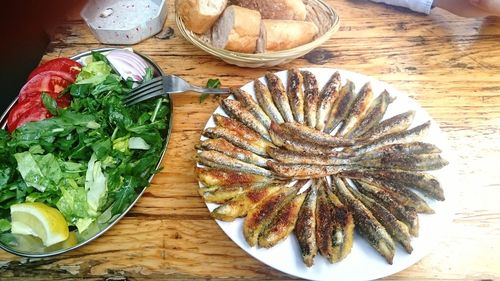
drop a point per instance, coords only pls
(450, 65)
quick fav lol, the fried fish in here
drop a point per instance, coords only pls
(311, 135)
(334, 225)
(366, 223)
(326, 99)
(241, 204)
(305, 227)
(398, 230)
(311, 98)
(407, 215)
(291, 157)
(305, 171)
(225, 178)
(412, 135)
(219, 195)
(279, 96)
(358, 110)
(266, 102)
(223, 146)
(284, 139)
(263, 213)
(219, 160)
(395, 124)
(251, 105)
(341, 106)
(296, 94)
(282, 224)
(235, 109)
(373, 115)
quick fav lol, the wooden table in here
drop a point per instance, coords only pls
(449, 64)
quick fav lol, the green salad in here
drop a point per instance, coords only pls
(92, 158)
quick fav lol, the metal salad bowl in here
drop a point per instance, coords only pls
(28, 246)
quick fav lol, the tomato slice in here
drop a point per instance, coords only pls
(49, 81)
(33, 105)
(65, 65)
(33, 114)
(51, 77)
(19, 110)
(62, 101)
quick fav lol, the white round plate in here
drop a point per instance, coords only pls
(363, 263)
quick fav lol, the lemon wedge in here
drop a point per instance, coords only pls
(39, 220)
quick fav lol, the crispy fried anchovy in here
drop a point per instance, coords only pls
(219, 195)
(367, 225)
(292, 157)
(223, 146)
(235, 109)
(374, 114)
(238, 134)
(219, 160)
(398, 230)
(395, 124)
(424, 182)
(358, 110)
(296, 95)
(312, 135)
(251, 105)
(224, 178)
(284, 139)
(411, 148)
(239, 206)
(265, 101)
(326, 99)
(257, 146)
(279, 95)
(334, 225)
(401, 194)
(305, 171)
(418, 162)
(305, 227)
(311, 98)
(341, 106)
(262, 214)
(412, 135)
(282, 224)
(407, 215)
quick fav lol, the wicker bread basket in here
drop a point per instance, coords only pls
(318, 12)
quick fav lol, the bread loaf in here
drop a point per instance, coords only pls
(286, 34)
(237, 30)
(200, 15)
(276, 9)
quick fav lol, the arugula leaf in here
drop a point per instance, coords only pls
(124, 196)
(5, 175)
(97, 56)
(4, 225)
(213, 84)
(50, 104)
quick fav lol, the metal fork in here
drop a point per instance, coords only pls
(163, 85)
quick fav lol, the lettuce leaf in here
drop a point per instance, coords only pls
(95, 185)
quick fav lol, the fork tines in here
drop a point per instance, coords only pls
(151, 89)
